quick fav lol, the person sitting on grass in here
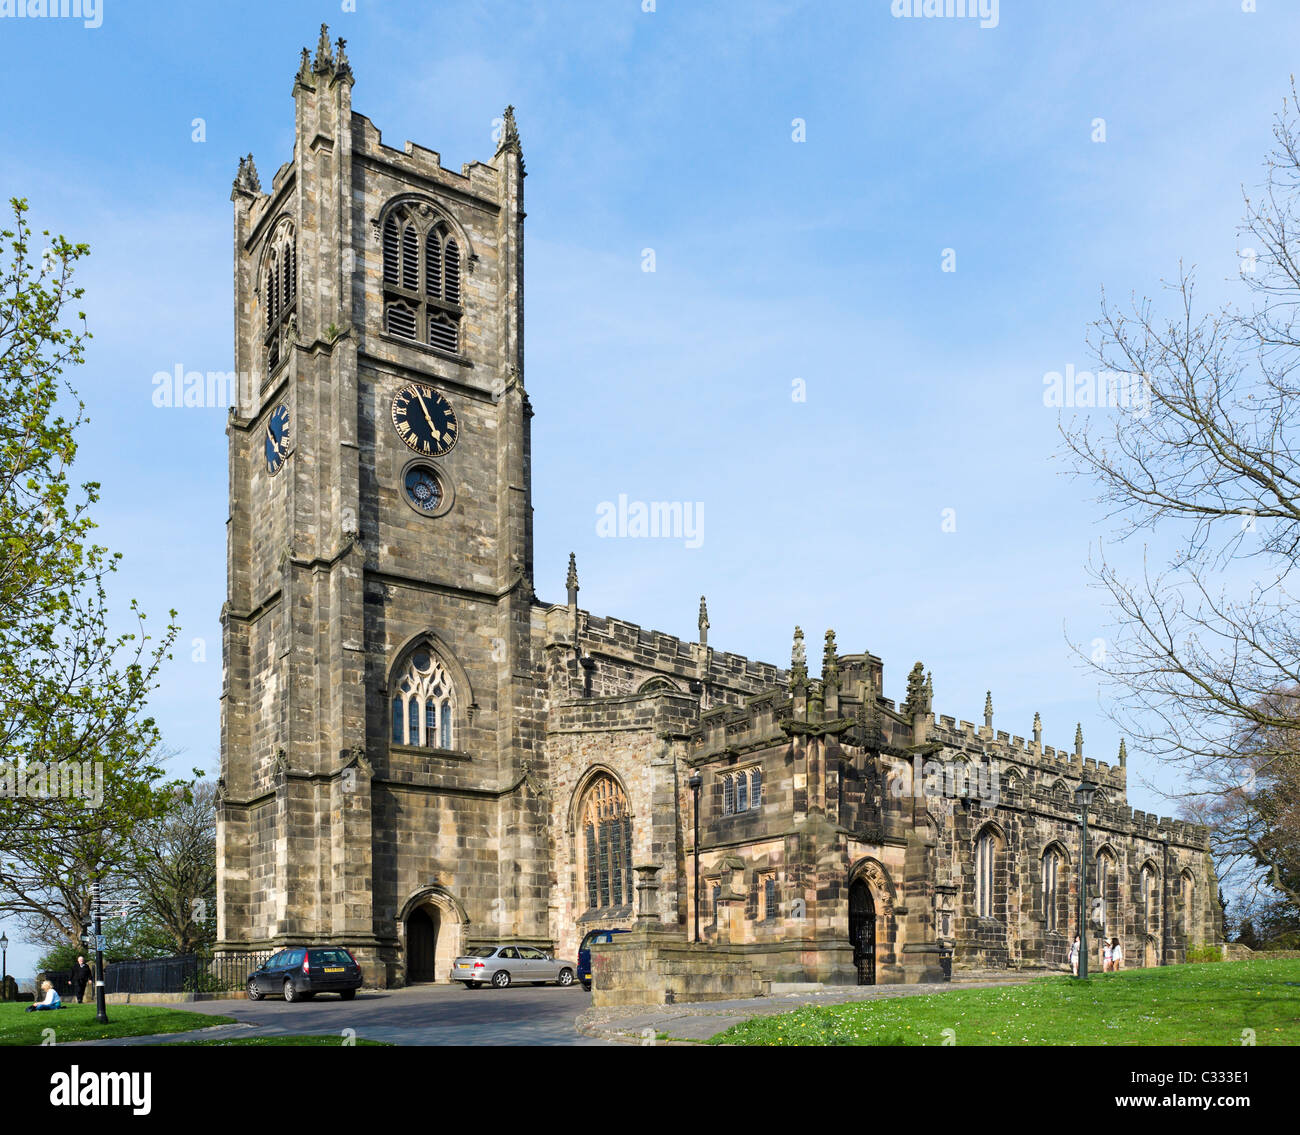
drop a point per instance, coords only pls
(51, 999)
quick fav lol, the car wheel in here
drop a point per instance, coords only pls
(254, 994)
(587, 986)
(501, 979)
(290, 994)
(347, 994)
(566, 977)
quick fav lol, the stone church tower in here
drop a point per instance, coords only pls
(379, 685)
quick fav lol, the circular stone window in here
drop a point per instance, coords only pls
(425, 489)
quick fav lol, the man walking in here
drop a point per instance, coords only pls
(82, 976)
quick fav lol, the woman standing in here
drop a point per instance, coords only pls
(1074, 956)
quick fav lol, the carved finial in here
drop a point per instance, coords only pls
(798, 663)
(509, 132)
(1123, 753)
(341, 64)
(571, 581)
(1078, 739)
(304, 69)
(830, 663)
(988, 708)
(1038, 730)
(246, 179)
(704, 622)
(324, 56)
(915, 702)
(929, 691)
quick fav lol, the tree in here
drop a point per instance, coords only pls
(1203, 656)
(80, 761)
(1248, 937)
(178, 869)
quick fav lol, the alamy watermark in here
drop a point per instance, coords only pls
(986, 11)
(957, 780)
(664, 520)
(1107, 389)
(203, 389)
(50, 780)
(89, 12)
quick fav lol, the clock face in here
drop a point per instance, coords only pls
(424, 420)
(277, 438)
(423, 489)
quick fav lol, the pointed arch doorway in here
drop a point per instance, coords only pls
(422, 927)
(862, 931)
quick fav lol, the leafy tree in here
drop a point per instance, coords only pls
(72, 690)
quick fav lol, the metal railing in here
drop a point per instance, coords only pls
(182, 973)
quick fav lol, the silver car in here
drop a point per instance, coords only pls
(502, 965)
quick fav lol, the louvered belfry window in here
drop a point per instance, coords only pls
(422, 292)
(279, 293)
(607, 845)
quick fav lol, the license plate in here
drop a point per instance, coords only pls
(462, 965)
(333, 969)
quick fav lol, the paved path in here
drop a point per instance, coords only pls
(419, 1015)
(702, 1020)
(521, 1015)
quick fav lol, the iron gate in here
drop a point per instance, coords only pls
(862, 932)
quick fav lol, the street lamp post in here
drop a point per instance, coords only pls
(1083, 797)
(695, 783)
(101, 1008)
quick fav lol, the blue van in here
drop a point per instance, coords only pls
(584, 952)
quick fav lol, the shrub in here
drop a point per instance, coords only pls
(1205, 954)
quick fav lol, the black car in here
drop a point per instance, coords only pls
(303, 971)
(584, 952)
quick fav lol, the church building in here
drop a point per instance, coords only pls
(420, 755)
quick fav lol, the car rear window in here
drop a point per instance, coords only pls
(329, 958)
(480, 952)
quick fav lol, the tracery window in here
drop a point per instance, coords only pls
(279, 293)
(606, 836)
(423, 701)
(422, 281)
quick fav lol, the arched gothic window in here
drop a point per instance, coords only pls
(1188, 896)
(1150, 899)
(423, 703)
(279, 293)
(1107, 890)
(422, 293)
(605, 835)
(1053, 864)
(986, 848)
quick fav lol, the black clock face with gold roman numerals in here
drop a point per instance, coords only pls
(424, 420)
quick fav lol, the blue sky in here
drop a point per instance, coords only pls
(775, 260)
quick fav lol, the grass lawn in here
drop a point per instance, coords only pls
(77, 1022)
(1206, 1004)
(327, 1041)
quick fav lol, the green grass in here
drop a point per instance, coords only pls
(314, 1041)
(77, 1022)
(1172, 1005)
